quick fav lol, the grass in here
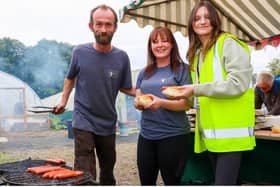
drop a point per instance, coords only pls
(7, 157)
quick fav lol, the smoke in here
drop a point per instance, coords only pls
(50, 68)
(46, 65)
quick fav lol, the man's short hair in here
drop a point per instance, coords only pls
(265, 76)
(104, 7)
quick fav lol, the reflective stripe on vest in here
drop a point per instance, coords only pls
(229, 133)
(217, 67)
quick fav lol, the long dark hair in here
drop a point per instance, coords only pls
(175, 58)
(194, 42)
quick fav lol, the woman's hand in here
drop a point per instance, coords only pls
(155, 104)
(136, 103)
(185, 92)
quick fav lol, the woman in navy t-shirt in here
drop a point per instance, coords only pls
(162, 143)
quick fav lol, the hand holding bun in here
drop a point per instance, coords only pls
(145, 100)
(171, 91)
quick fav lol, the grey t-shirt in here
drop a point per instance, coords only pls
(99, 78)
(163, 123)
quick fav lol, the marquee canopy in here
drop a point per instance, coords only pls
(255, 21)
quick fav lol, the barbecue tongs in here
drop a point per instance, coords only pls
(41, 109)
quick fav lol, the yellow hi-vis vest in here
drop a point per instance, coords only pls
(223, 125)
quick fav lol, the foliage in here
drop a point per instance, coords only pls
(11, 53)
(60, 121)
(56, 123)
(42, 66)
(274, 66)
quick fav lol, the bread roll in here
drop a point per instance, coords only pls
(144, 100)
(171, 91)
(275, 130)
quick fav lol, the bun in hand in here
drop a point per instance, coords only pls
(171, 91)
(145, 100)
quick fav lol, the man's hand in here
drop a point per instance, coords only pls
(59, 109)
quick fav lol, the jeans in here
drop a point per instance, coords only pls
(86, 143)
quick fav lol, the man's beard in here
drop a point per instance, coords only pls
(103, 39)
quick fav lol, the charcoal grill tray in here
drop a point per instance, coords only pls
(15, 173)
(21, 166)
(30, 179)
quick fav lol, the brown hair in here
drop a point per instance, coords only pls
(104, 7)
(175, 58)
(194, 42)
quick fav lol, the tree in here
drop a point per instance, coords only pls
(11, 55)
(274, 66)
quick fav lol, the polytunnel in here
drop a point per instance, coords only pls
(15, 98)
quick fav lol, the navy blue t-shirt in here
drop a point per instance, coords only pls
(163, 123)
(99, 78)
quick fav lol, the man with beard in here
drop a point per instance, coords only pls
(98, 71)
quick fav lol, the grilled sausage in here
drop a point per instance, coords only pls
(42, 169)
(68, 174)
(55, 161)
(62, 174)
(51, 174)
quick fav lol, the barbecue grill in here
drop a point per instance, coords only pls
(14, 173)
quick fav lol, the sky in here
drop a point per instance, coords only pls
(67, 21)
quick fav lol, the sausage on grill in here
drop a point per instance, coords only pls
(62, 174)
(42, 169)
(55, 161)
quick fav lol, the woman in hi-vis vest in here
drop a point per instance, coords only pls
(223, 93)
